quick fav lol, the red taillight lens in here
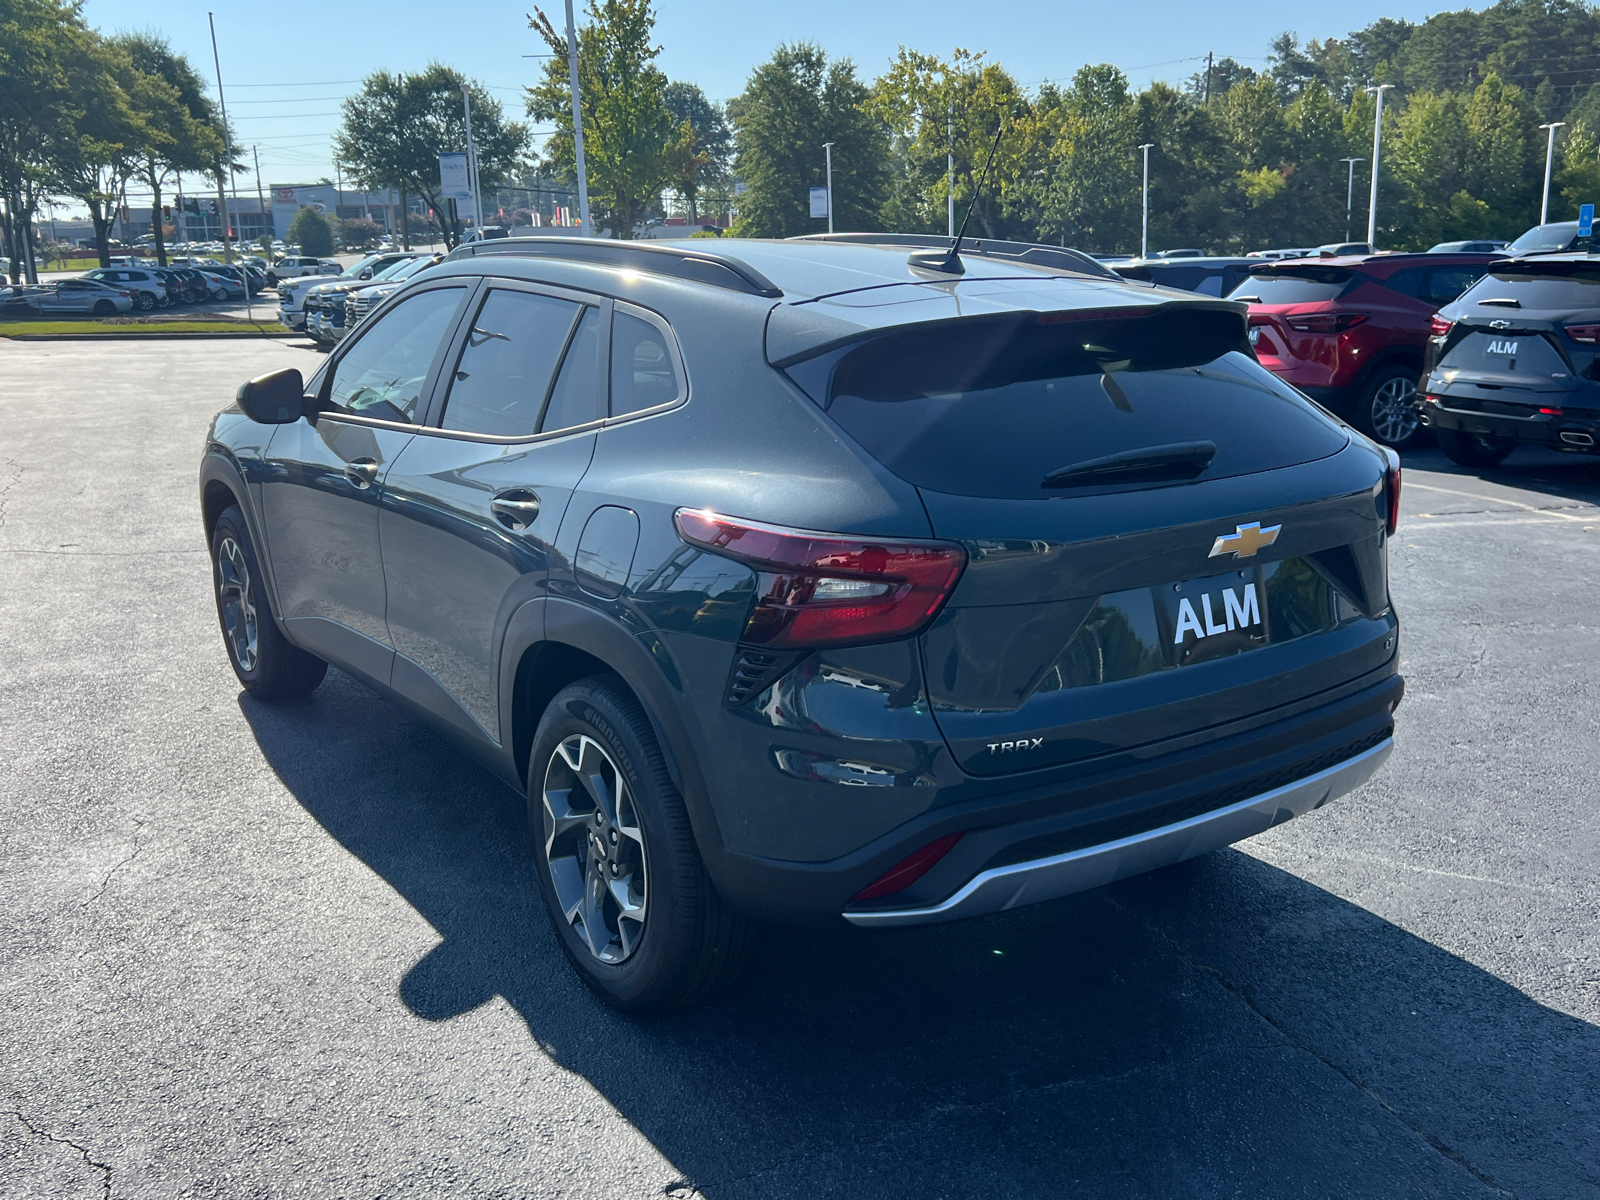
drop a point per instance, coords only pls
(1325, 322)
(1438, 326)
(908, 870)
(1587, 334)
(824, 589)
(1551, 412)
(1391, 493)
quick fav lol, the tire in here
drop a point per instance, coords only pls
(272, 280)
(1473, 450)
(687, 942)
(266, 664)
(144, 301)
(1385, 411)
(104, 308)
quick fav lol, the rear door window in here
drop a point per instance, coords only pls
(502, 379)
(995, 406)
(1444, 284)
(1275, 288)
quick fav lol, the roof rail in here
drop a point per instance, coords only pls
(698, 266)
(1061, 258)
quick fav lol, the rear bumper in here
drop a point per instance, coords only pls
(1565, 431)
(1002, 888)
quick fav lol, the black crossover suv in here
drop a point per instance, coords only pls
(1516, 360)
(808, 580)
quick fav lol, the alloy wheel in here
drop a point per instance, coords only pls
(594, 848)
(1394, 416)
(236, 599)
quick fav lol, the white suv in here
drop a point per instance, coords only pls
(294, 266)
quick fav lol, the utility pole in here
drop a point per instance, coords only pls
(827, 148)
(1144, 227)
(1549, 153)
(472, 161)
(227, 148)
(577, 128)
(1377, 145)
(1350, 193)
(950, 169)
(261, 196)
(183, 216)
(1210, 55)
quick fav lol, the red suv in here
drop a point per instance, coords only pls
(1350, 332)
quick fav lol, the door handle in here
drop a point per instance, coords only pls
(361, 471)
(516, 509)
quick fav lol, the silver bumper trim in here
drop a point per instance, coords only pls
(1002, 888)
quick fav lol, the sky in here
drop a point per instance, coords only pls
(285, 77)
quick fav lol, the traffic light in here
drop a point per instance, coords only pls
(211, 207)
(166, 212)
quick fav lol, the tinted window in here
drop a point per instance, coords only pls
(383, 373)
(643, 372)
(1294, 289)
(993, 406)
(1446, 283)
(504, 373)
(1561, 290)
(575, 398)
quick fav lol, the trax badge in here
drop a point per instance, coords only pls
(1245, 540)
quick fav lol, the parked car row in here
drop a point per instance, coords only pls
(319, 307)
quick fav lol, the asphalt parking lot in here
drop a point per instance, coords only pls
(295, 951)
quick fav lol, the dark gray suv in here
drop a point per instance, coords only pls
(803, 580)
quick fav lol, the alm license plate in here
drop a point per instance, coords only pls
(1213, 617)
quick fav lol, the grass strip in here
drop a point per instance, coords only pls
(125, 328)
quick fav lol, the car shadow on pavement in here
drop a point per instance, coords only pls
(1218, 1028)
(1573, 477)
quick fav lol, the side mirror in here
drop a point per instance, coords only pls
(367, 274)
(275, 399)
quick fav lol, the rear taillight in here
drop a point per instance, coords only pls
(1325, 322)
(910, 869)
(1587, 334)
(1391, 493)
(824, 589)
(1438, 326)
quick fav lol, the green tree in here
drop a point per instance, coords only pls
(312, 232)
(182, 130)
(37, 109)
(396, 126)
(93, 158)
(633, 146)
(792, 104)
(712, 153)
(1091, 173)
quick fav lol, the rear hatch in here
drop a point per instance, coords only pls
(1162, 536)
(1524, 337)
(1289, 308)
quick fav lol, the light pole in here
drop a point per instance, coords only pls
(1144, 226)
(950, 169)
(1377, 143)
(577, 129)
(827, 148)
(1549, 153)
(1350, 193)
(472, 160)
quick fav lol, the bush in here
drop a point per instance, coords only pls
(312, 231)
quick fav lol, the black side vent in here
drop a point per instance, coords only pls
(754, 671)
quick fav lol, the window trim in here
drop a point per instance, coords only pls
(430, 381)
(436, 404)
(650, 317)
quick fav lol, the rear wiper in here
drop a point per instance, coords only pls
(1153, 464)
(1502, 303)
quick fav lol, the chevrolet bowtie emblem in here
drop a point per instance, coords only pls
(1245, 541)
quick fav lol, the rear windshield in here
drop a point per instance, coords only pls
(1276, 288)
(1556, 289)
(994, 406)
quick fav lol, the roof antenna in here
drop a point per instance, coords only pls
(949, 261)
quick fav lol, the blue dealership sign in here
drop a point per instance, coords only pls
(1585, 220)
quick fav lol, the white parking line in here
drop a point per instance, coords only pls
(1533, 508)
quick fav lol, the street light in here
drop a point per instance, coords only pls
(1549, 153)
(1350, 193)
(828, 149)
(1377, 144)
(1144, 228)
